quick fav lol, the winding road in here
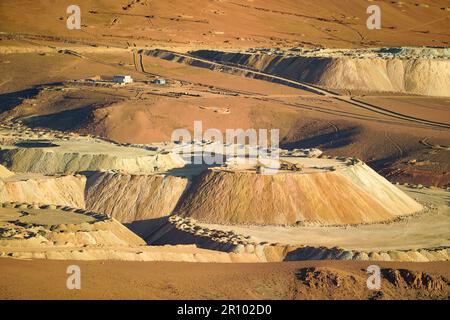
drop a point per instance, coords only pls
(222, 67)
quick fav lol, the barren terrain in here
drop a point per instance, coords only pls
(164, 280)
(91, 174)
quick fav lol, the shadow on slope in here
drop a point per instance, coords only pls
(145, 228)
(9, 101)
(330, 140)
(64, 121)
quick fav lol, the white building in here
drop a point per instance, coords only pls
(122, 79)
(160, 81)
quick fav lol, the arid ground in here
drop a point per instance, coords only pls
(169, 280)
(89, 174)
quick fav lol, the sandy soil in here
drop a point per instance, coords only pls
(162, 280)
(233, 24)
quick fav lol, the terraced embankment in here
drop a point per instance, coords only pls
(31, 231)
(423, 76)
(353, 194)
(34, 188)
(128, 197)
(123, 196)
(74, 156)
(43, 160)
(322, 88)
(180, 230)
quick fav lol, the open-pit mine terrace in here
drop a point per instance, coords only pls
(69, 196)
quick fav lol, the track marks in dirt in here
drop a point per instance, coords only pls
(433, 146)
(395, 144)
